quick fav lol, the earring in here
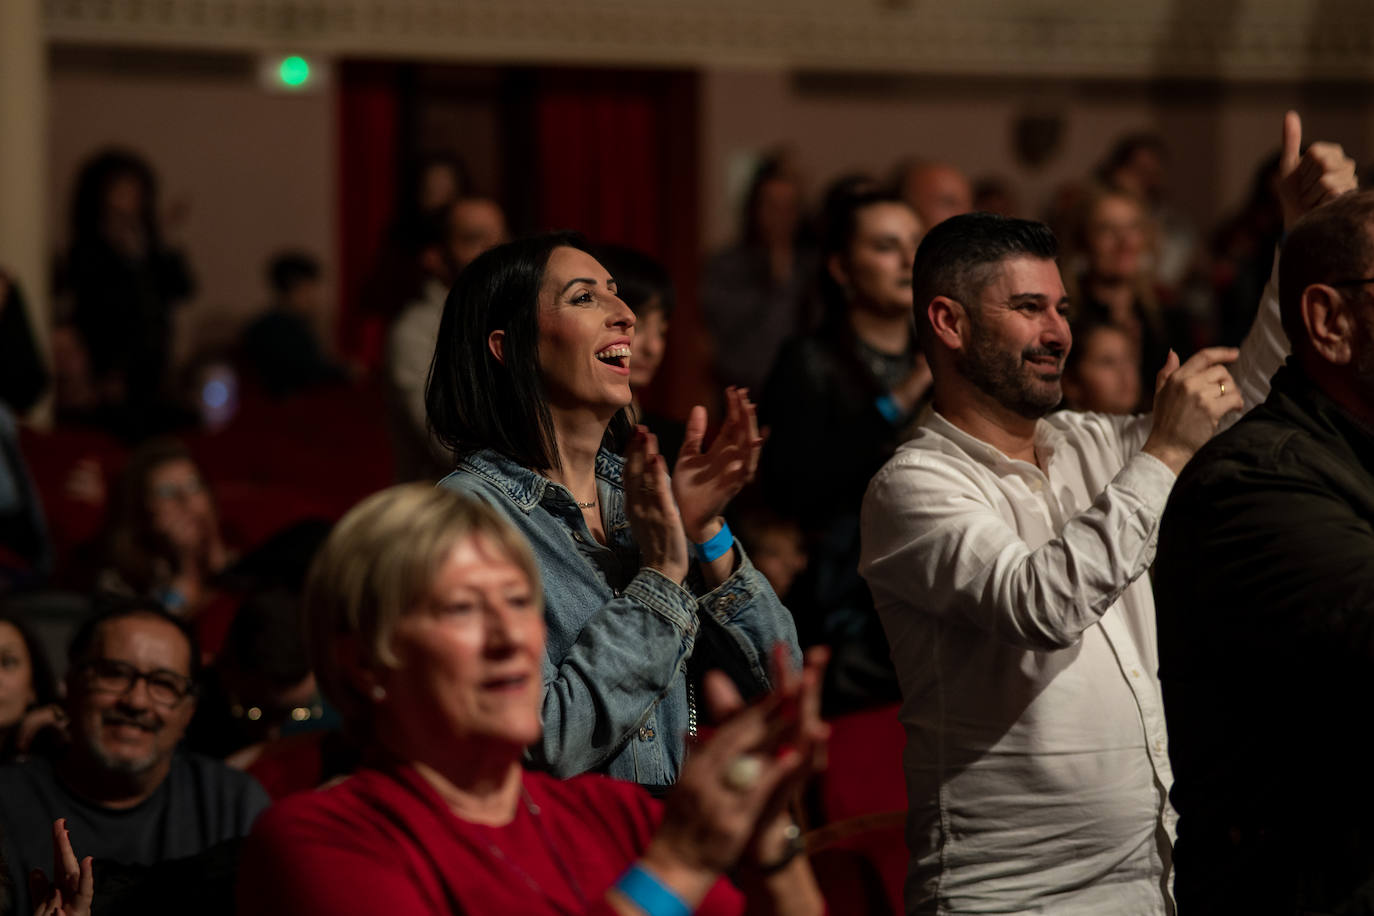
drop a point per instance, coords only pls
(378, 693)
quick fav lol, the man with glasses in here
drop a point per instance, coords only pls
(1265, 586)
(127, 794)
(1006, 547)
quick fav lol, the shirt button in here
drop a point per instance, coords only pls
(1159, 746)
(646, 733)
(1135, 672)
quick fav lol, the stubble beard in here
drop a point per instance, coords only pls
(1003, 376)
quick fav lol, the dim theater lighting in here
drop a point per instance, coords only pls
(294, 71)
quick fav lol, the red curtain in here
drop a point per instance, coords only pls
(369, 143)
(617, 161)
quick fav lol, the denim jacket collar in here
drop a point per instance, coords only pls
(527, 488)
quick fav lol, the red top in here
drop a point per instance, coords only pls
(384, 842)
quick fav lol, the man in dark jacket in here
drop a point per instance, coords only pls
(1265, 595)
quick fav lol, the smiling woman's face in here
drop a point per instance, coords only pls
(16, 676)
(585, 335)
(471, 656)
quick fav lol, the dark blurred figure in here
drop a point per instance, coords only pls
(163, 538)
(643, 284)
(1114, 235)
(1101, 372)
(995, 194)
(935, 190)
(1138, 164)
(124, 281)
(282, 346)
(755, 293)
(838, 403)
(775, 544)
(1243, 254)
(260, 685)
(26, 552)
(450, 238)
(397, 279)
(23, 377)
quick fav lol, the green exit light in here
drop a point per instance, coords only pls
(294, 71)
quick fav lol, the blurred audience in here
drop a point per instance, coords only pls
(756, 293)
(995, 194)
(451, 237)
(837, 404)
(123, 281)
(26, 552)
(1138, 165)
(644, 285)
(163, 538)
(935, 190)
(1102, 369)
(127, 794)
(283, 345)
(426, 624)
(1114, 235)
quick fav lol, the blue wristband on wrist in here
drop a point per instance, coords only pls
(892, 411)
(718, 546)
(650, 894)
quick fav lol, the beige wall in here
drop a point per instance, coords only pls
(836, 125)
(253, 171)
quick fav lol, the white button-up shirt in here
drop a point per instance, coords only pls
(1022, 627)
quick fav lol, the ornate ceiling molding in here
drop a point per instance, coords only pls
(1244, 40)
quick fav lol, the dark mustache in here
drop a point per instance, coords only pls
(145, 721)
(1037, 352)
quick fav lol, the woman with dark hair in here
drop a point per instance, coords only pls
(756, 293)
(529, 388)
(123, 279)
(163, 537)
(838, 403)
(26, 681)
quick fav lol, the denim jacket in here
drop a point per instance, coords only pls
(621, 639)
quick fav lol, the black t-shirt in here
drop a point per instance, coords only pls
(202, 802)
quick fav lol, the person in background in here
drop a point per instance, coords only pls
(530, 388)
(163, 538)
(260, 685)
(1138, 165)
(26, 550)
(426, 625)
(1101, 370)
(935, 190)
(128, 796)
(282, 346)
(454, 235)
(995, 194)
(775, 544)
(643, 284)
(756, 293)
(1266, 552)
(1116, 285)
(124, 281)
(26, 682)
(1242, 253)
(837, 404)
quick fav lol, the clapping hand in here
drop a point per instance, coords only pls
(73, 885)
(654, 519)
(704, 481)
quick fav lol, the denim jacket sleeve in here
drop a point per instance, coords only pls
(742, 619)
(627, 655)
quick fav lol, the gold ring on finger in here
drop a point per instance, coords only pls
(1223, 388)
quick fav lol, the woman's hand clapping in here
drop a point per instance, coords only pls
(73, 885)
(649, 505)
(704, 482)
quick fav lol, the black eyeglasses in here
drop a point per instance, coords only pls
(1360, 282)
(164, 687)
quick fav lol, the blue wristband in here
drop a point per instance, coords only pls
(650, 894)
(892, 411)
(718, 546)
